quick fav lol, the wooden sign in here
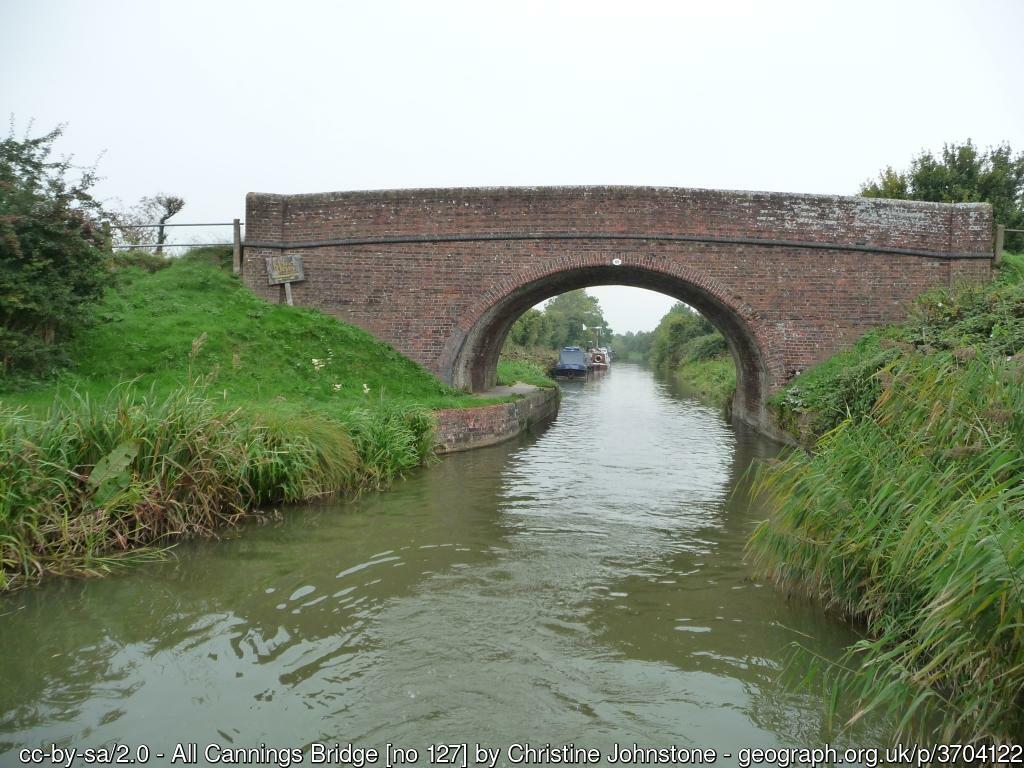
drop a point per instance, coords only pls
(284, 269)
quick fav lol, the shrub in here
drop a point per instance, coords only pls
(145, 260)
(52, 267)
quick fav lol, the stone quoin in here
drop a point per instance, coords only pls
(788, 279)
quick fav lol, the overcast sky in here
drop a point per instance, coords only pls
(210, 100)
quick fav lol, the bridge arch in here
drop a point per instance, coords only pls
(442, 273)
(470, 358)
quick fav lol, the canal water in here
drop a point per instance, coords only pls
(585, 586)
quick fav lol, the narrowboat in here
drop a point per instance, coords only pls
(572, 364)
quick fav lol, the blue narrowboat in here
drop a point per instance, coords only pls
(572, 364)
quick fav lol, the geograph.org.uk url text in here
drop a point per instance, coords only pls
(468, 755)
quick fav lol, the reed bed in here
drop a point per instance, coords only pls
(910, 519)
(95, 484)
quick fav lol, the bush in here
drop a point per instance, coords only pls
(145, 260)
(706, 347)
(52, 267)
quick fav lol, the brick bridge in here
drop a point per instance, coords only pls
(442, 273)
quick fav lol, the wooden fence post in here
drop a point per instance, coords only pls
(236, 256)
(1000, 234)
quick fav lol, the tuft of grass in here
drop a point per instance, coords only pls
(390, 441)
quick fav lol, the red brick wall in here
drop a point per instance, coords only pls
(788, 278)
(459, 429)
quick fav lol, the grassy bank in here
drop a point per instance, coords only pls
(687, 347)
(526, 365)
(713, 380)
(89, 483)
(190, 403)
(704, 365)
(908, 513)
(193, 319)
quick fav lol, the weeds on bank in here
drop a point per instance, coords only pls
(97, 483)
(908, 515)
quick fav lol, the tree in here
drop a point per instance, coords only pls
(52, 265)
(166, 206)
(576, 319)
(134, 226)
(532, 329)
(635, 347)
(677, 328)
(962, 175)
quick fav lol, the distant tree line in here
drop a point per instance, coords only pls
(633, 346)
(571, 319)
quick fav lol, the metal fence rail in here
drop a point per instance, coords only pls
(236, 244)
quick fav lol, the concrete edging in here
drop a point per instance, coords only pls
(462, 429)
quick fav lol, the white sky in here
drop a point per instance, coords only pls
(210, 100)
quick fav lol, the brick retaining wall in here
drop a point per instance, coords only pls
(459, 429)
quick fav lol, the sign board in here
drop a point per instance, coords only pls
(284, 269)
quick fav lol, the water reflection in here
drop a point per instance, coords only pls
(586, 586)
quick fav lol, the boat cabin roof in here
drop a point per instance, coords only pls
(572, 355)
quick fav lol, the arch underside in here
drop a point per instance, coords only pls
(475, 363)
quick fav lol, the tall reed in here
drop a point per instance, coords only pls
(390, 441)
(911, 519)
(95, 482)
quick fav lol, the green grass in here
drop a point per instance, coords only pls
(529, 366)
(525, 371)
(193, 319)
(94, 484)
(908, 514)
(713, 380)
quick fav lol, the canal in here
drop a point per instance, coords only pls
(583, 586)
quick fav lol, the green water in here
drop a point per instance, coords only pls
(584, 586)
